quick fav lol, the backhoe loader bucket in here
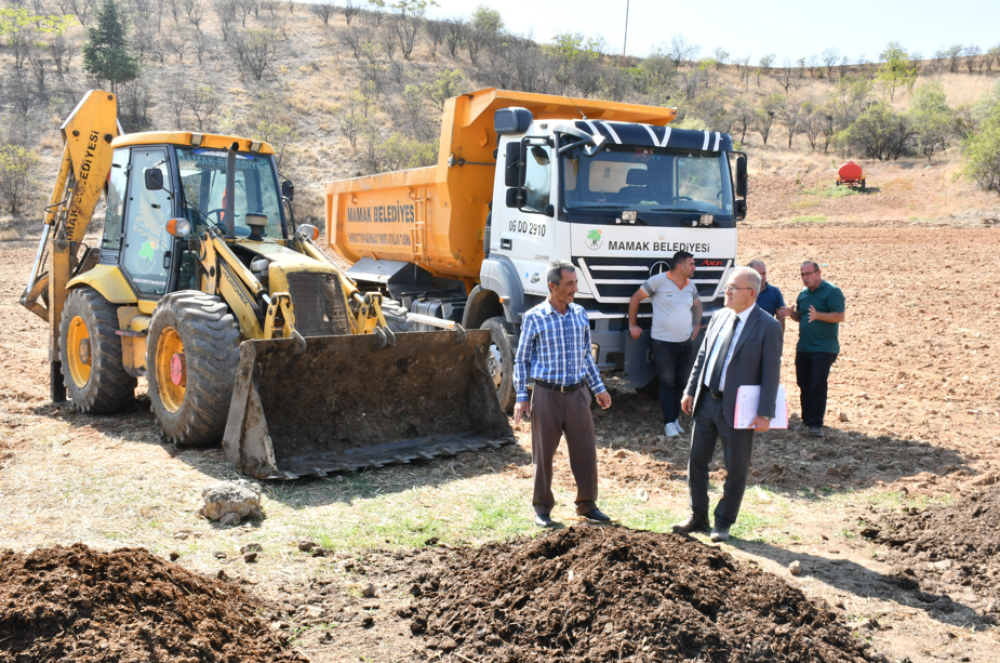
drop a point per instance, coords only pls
(344, 403)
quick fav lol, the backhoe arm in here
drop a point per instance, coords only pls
(83, 173)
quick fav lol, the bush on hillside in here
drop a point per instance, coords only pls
(982, 148)
(881, 133)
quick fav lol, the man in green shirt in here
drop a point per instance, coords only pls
(819, 312)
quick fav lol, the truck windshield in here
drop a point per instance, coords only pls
(203, 179)
(648, 179)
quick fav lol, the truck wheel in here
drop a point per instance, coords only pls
(501, 360)
(192, 353)
(91, 354)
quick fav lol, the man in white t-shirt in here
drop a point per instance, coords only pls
(676, 321)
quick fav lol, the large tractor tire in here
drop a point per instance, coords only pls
(91, 354)
(192, 353)
(501, 361)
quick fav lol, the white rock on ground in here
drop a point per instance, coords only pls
(231, 497)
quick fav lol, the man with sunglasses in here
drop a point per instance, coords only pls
(819, 311)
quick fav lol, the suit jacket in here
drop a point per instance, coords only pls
(756, 360)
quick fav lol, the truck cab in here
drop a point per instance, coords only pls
(617, 200)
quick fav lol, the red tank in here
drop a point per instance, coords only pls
(850, 174)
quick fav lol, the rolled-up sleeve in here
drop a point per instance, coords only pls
(522, 361)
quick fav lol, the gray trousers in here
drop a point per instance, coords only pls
(552, 414)
(710, 425)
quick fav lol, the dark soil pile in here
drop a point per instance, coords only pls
(956, 543)
(79, 604)
(609, 594)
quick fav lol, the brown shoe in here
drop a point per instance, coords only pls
(692, 524)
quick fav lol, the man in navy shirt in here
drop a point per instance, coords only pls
(554, 351)
(769, 299)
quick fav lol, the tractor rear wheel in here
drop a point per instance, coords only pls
(91, 354)
(192, 353)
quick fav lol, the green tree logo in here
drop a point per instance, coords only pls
(594, 240)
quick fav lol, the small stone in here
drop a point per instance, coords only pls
(368, 591)
(415, 590)
(943, 565)
(367, 620)
(218, 554)
(621, 453)
(251, 547)
(174, 555)
(86, 604)
(843, 417)
(795, 568)
(181, 535)
(306, 545)
(447, 644)
(250, 557)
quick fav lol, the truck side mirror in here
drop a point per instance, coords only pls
(741, 177)
(516, 197)
(741, 209)
(154, 179)
(287, 190)
(514, 165)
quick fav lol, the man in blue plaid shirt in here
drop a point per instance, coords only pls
(554, 351)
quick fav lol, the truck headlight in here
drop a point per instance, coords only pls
(706, 219)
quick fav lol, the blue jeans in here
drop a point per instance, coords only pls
(812, 372)
(673, 367)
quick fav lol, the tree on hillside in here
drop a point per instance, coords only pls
(765, 113)
(106, 54)
(764, 65)
(830, 57)
(897, 69)
(681, 50)
(486, 26)
(932, 118)
(982, 148)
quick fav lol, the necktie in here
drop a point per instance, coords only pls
(720, 360)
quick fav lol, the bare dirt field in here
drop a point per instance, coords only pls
(913, 417)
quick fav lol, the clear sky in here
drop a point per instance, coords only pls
(787, 28)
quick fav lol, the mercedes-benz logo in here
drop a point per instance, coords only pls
(659, 267)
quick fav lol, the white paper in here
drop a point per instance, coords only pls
(747, 400)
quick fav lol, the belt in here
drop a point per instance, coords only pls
(561, 388)
(717, 395)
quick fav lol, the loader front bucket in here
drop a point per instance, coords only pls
(345, 403)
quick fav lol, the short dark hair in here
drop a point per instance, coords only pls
(815, 265)
(556, 267)
(680, 257)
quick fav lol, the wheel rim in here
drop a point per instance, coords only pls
(495, 365)
(171, 369)
(78, 351)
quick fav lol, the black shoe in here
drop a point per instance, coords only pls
(692, 524)
(719, 533)
(544, 520)
(816, 431)
(596, 516)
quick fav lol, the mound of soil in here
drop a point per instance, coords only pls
(79, 604)
(607, 594)
(957, 543)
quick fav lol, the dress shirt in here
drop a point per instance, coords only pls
(555, 348)
(732, 347)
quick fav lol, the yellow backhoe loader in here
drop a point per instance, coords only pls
(244, 330)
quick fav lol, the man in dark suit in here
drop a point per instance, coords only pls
(742, 346)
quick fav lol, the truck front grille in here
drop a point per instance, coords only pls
(318, 302)
(614, 280)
